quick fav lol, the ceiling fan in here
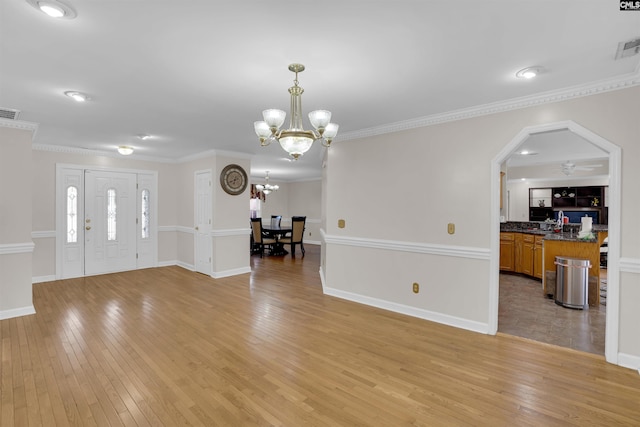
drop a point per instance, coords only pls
(568, 167)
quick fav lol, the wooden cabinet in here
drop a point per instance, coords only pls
(537, 257)
(527, 254)
(521, 253)
(507, 252)
(524, 253)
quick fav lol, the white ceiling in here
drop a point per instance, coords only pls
(197, 74)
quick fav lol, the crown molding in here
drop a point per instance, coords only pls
(19, 124)
(99, 153)
(214, 153)
(602, 86)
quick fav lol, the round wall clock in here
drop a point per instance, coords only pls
(233, 179)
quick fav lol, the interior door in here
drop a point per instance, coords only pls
(109, 222)
(202, 229)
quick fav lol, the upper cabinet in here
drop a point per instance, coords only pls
(540, 197)
(575, 202)
(578, 197)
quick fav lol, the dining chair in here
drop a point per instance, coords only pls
(297, 234)
(259, 240)
(275, 221)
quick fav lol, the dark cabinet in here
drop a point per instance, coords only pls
(575, 202)
(578, 197)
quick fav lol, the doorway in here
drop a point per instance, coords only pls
(105, 220)
(614, 153)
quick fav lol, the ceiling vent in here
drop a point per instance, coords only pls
(8, 113)
(628, 48)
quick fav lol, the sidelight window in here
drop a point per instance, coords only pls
(145, 214)
(72, 214)
(111, 214)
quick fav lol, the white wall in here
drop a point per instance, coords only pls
(16, 248)
(431, 176)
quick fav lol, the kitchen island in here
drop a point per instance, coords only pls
(539, 248)
(568, 245)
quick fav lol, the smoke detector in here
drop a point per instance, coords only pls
(628, 48)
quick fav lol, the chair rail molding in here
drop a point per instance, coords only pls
(16, 248)
(421, 248)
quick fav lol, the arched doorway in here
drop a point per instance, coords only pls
(614, 152)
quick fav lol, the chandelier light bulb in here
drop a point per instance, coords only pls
(320, 119)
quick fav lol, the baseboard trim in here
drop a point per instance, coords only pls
(228, 273)
(629, 361)
(186, 266)
(41, 279)
(409, 311)
(17, 312)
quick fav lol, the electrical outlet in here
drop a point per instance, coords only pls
(341, 223)
(451, 228)
(416, 288)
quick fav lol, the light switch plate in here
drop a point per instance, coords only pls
(451, 228)
(341, 223)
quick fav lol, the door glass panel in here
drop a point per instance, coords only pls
(111, 214)
(72, 214)
(145, 214)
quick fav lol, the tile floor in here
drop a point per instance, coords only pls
(525, 312)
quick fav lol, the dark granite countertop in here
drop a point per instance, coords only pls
(568, 234)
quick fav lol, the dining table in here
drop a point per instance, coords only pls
(276, 232)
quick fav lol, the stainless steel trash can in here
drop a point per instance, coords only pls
(572, 280)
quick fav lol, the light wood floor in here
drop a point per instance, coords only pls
(170, 347)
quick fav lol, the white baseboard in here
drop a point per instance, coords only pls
(167, 263)
(184, 265)
(17, 312)
(629, 361)
(40, 279)
(409, 311)
(227, 273)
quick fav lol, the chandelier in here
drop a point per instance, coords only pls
(266, 188)
(296, 141)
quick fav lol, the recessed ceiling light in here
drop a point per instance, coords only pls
(125, 150)
(529, 72)
(523, 179)
(77, 96)
(54, 8)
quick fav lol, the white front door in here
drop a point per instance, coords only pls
(202, 229)
(109, 222)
